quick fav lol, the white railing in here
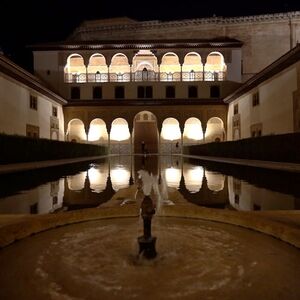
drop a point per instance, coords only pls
(144, 76)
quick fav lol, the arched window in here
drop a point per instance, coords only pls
(214, 130)
(192, 68)
(215, 67)
(170, 69)
(75, 70)
(97, 69)
(119, 69)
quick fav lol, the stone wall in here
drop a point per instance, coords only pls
(265, 37)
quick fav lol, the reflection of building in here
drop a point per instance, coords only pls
(245, 196)
(125, 81)
(43, 199)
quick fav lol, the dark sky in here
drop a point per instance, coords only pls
(27, 22)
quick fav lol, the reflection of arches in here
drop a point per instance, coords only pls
(193, 177)
(145, 130)
(215, 181)
(192, 131)
(97, 131)
(173, 177)
(215, 66)
(76, 131)
(75, 70)
(98, 178)
(215, 130)
(76, 182)
(170, 68)
(119, 178)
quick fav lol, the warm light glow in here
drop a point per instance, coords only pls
(76, 182)
(97, 63)
(173, 177)
(214, 130)
(170, 130)
(98, 178)
(76, 131)
(215, 62)
(75, 64)
(193, 129)
(119, 178)
(119, 64)
(215, 181)
(119, 130)
(170, 63)
(192, 61)
(97, 130)
(193, 177)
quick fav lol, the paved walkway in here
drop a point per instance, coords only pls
(272, 165)
(26, 166)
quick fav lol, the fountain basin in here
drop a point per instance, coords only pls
(196, 259)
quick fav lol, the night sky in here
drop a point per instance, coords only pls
(29, 22)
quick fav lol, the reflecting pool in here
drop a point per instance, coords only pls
(203, 183)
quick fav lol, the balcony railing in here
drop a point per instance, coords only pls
(144, 76)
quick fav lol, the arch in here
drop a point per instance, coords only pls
(170, 136)
(97, 131)
(192, 68)
(119, 130)
(170, 129)
(215, 67)
(144, 58)
(170, 68)
(214, 130)
(193, 177)
(145, 134)
(215, 181)
(119, 68)
(97, 69)
(76, 182)
(75, 69)
(76, 131)
(193, 132)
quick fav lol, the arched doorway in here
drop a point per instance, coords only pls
(145, 135)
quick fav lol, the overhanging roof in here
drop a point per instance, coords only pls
(14, 71)
(276, 67)
(141, 44)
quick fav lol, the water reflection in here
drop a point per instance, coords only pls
(202, 183)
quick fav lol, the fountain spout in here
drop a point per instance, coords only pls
(147, 241)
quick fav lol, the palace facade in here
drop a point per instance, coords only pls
(127, 83)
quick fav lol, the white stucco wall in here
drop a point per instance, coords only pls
(275, 109)
(15, 111)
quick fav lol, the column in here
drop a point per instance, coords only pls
(204, 125)
(108, 127)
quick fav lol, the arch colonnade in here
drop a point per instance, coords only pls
(145, 66)
(163, 136)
